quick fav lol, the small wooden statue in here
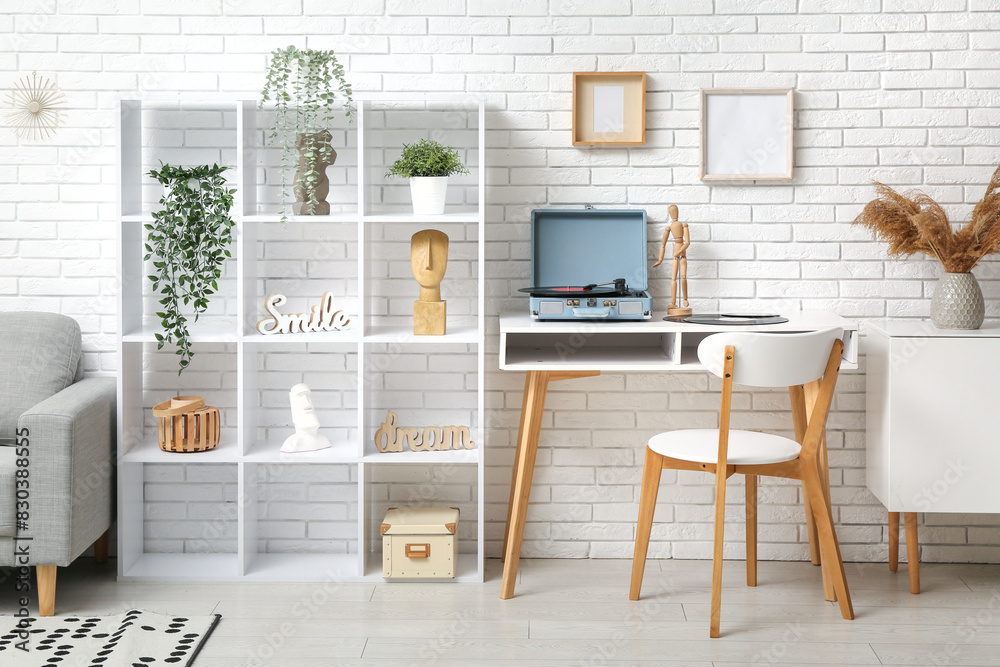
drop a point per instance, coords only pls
(682, 239)
(429, 259)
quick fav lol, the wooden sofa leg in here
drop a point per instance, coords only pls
(101, 547)
(46, 589)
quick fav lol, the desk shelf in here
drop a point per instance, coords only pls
(649, 346)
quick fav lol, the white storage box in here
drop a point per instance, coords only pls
(419, 543)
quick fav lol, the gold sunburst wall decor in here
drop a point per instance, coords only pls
(34, 107)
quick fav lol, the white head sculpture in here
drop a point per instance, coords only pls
(306, 437)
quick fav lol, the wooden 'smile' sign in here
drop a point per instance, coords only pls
(320, 318)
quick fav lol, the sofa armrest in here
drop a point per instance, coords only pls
(71, 439)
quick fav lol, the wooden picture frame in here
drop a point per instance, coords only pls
(609, 108)
(746, 134)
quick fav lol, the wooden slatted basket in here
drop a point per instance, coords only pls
(187, 425)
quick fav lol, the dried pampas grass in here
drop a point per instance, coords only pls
(914, 222)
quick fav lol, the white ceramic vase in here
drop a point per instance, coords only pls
(957, 302)
(428, 194)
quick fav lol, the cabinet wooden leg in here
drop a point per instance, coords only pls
(532, 407)
(893, 541)
(46, 589)
(651, 470)
(912, 551)
(101, 547)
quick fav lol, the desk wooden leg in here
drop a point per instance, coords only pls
(527, 446)
(516, 467)
(912, 551)
(893, 541)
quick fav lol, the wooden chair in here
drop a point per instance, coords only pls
(760, 360)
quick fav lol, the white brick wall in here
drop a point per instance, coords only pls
(900, 90)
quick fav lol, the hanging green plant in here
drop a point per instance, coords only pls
(303, 84)
(188, 241)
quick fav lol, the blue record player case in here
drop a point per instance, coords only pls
(573, 250)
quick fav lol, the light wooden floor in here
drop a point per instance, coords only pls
(577, 612)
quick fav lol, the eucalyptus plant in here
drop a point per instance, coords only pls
(427, 158)
(188, 242)
(303, 84)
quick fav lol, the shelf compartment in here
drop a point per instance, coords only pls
(431, 485)
(302, 262)
(300, 509)
(390, 288)
(271, 370)
(388, 125)
(190, 510)
(425, 386)
(265, 165)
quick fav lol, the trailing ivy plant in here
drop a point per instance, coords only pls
(427, 158)
(188, 242)
(303, 84)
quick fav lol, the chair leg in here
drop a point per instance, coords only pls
(651, 470)
(720, 526)
(101, 547)
(893, 541)
(828, 540)
(912, 551)
(46, 589)
(751, 502)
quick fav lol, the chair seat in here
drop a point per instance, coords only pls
(701, 445)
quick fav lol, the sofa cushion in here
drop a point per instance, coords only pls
(40, 355)
(7, 469)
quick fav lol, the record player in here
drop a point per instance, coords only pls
(588, 264)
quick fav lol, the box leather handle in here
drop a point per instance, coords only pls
(417, 550)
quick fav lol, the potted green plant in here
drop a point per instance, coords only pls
(304, 84)
(188, 241)
(428, 165)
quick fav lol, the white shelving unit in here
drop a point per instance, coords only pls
(170, 128)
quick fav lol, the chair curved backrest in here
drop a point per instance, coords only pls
(771, 359)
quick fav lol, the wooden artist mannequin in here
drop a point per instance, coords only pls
(429, 259)
(682, 240)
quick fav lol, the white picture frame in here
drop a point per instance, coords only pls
(746, 134)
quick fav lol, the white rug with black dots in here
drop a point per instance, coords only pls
(133, 639)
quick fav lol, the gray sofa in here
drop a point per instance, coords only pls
(67, 425)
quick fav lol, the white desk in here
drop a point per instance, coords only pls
(931, 424)
(552, 351)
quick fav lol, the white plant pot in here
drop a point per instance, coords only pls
(428, 193)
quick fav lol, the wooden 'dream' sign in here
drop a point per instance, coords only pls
(391, 438)
(321, 317)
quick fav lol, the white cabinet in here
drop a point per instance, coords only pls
(932, 442)
(240, 511)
